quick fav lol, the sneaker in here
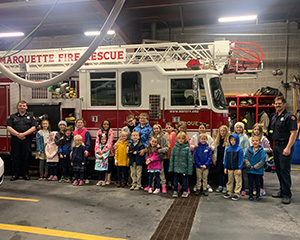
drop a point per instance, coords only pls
(189, 192)
(62, 180)
(224, 190)
(103, 183)
(277, 195)
(136, 188)
(175, 194)
(219, 189)
(250, 198)
(157, 191)
(243, 193)
(227, 195)
(195, 188)
(205, 193)
(179, 187)
(98, 183)
(132, 187)
(68, 180)
(235, 197)
(150, 190)
(146, 189)
(258, 198)
(81, 183)
(54, 178)
(198, 192)
(262, 192)
(164, 189)
(50, 178)
(86, 181)
(45, 175)
(41, 178)
(286, 200)
(184, 195)
(75, 183)
(209, 189)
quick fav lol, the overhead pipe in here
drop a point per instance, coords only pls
(64, 75)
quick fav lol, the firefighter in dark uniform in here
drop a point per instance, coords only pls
(284, 126)
(20, 125)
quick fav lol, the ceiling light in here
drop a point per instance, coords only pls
(236, 19)
(94, 33)
(11, 34)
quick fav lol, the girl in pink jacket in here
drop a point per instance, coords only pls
(154, 164)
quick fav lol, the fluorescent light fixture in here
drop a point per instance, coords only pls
(111, 32)
(11, 34)
(94, 33)
(237, 19)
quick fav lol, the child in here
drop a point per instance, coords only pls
(101, 163)
(58, 137)
(64, 150)
(255, 158)
(87, 141)
(78, 159)
(52, 157)
(181, 127)
(202, 156)
(181, 163)
(122, 160)
(233, 165)
(158, 133)
(107, 130)
(264, 142)
(244, 144)
(211, 143)
(154, 164)
(135, 160)
(42, 138)
(222, 142)
(168, 135)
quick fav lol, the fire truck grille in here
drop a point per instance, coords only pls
(178, 221)
(154, 106)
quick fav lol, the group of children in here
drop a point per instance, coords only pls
(156, 158)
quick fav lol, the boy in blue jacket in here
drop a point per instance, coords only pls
(233, 165)
(255, 159)
(202, 157)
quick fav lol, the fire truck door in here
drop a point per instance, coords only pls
(4, 113)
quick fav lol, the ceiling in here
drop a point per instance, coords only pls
(70, 17)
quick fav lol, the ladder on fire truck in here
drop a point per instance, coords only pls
(223, 56)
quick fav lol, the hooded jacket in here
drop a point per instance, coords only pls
(234, 155)
(181, 160)
(202, 155)
(255, 159)
(140, 160)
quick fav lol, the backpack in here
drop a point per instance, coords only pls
(268, 91)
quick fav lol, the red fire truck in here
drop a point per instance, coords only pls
(172, 82)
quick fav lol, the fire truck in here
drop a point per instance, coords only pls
(171, 82)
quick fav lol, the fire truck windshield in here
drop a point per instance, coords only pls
(217, 93)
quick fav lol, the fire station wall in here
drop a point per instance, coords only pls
(273, 45)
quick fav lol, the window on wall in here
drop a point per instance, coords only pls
(103, 89)
(131, 89)
(182, 92)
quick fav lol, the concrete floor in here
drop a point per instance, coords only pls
(120, 213)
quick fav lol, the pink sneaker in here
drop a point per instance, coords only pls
(179, 187)
(164, 189)
(189, 192)
(54, 178)
(146, 189)
(75, 183)
(50, 178)
(81, 182)
(243, 193)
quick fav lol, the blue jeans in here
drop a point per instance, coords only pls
(66, 168)
(283, 169)
(185, 182)
(157, 179)
(256, 179)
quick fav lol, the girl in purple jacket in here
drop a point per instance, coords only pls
(154, 164)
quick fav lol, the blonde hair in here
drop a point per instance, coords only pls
(226, 137)
(160, 130)
(182, 135)
(150, 148)
(203, 135)
(261, 132)
(77, 137)
(181, 124)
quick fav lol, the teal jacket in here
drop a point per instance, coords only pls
(181, 160)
